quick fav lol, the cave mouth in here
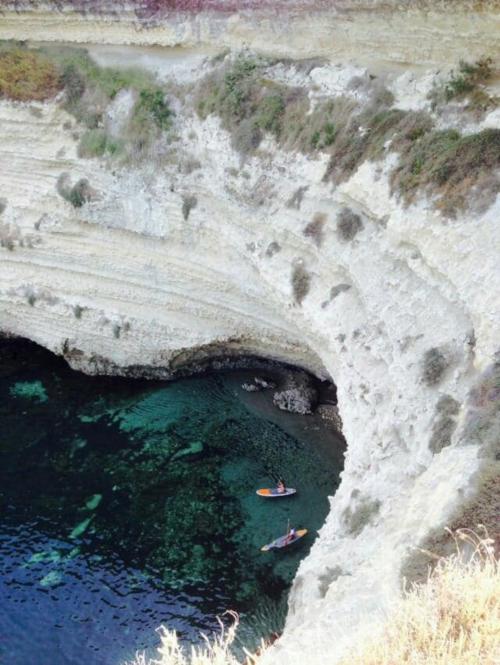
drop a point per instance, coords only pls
(128, 504)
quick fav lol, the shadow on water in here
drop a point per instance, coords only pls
(128, 504)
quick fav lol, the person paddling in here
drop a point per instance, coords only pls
(290, 536)
(281, 487)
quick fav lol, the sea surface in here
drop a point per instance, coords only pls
(128, 504)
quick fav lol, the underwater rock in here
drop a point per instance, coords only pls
(194, 448)
(52, 579)
(80, 528)
(33, 390)
(93, 502)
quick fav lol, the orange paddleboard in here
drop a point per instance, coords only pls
(272, 493)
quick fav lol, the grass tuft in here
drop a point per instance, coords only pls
(451, 619)
(217, 651)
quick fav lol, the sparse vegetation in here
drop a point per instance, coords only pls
(447, 164)
(247, 103)
(434, 365)
(36, 74)
(27, 75)
(348, 224)
(301, 283)
(467, 79)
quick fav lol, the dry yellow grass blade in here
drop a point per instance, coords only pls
(452, 619)
(212, 652)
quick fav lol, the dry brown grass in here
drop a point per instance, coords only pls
(452, 619)
(27, 76)
(213, 652)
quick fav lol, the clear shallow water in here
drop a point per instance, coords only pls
(130, 504)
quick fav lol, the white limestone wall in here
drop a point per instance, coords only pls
(127, 280)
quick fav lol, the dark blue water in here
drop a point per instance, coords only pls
(130, 504)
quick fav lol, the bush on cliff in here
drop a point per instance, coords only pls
(451, 166)
(247, 102)
(27, 76)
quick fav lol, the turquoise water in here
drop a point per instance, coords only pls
(129, 504)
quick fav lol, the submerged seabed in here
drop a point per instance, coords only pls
(129, 504)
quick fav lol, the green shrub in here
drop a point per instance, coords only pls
(247, 103)
(96, 143)
(468, 77)
(348, 224)
(323, 137)
(152, 104)
(77, 195)
(270, 113)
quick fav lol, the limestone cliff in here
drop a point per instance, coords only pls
(209, 251)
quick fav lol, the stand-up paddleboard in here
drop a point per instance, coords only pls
(272, 493)
(279, 543)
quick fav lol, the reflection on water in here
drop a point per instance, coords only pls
(128, 504)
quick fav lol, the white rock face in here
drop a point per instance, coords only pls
(130, 283)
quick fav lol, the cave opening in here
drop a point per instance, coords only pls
(130, 503)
